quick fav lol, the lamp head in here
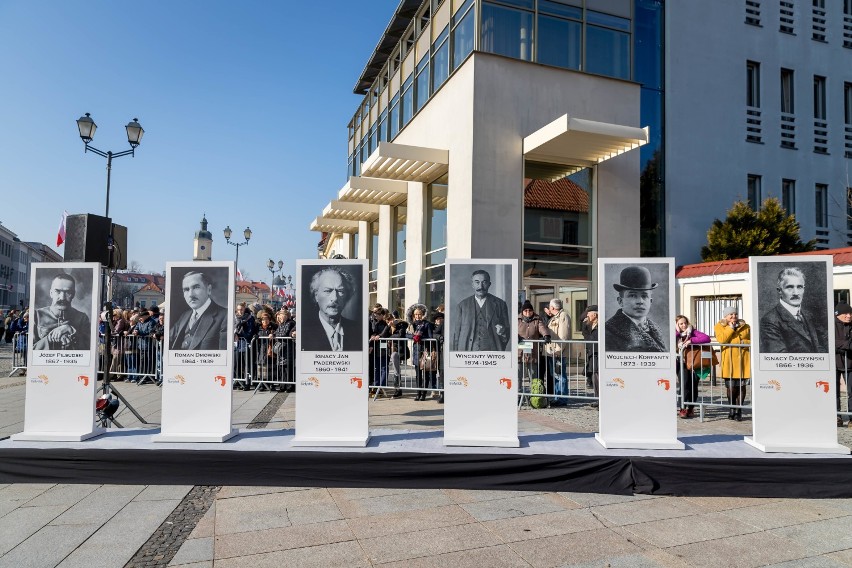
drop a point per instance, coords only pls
(87, 128)
(134, 132)
(270, 264)
(228, 233)
(247, 234)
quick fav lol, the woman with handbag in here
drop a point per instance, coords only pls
(685, 337)
(425, 353)
(736, 360)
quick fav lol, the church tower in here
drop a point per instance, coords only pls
(203, 242)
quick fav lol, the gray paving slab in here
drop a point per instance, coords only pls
(20, 524)
(468, 496)
(163, 493)
(643, 511)
(785, 513)
(206, 527)
(408, 500)
(287, 538)
(428, 542)
(66, 494)
(500, 556)
(23, 492)
(598, 499)
(247, 491)
(626, 561)
(710, 504)
(194, 550)
(812, 562)
(696, 528)
(518, 506)
(48, 546)
(531, 527)
(830, 535)
(742, 551)
(842, 556)
(388, 524)
(600, 545)
(337, 555)
(274, 510)
(205, 564)
(115, 542)
(98, 506)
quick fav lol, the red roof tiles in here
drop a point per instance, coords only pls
(842, 256)
(560, 195)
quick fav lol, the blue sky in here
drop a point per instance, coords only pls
(244, 104)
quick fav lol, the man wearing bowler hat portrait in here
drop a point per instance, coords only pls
(630, 329)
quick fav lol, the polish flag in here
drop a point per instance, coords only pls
(60, 236)
(239, 274)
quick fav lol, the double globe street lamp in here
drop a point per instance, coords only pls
(247, 235)
(271, 266)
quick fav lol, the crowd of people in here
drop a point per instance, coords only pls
(262, 352)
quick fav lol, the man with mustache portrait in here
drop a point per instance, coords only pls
(480, 322)
(60, 326)
(204, 326)
(325, 328)
(788, 327)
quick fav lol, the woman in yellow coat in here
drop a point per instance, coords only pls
(735, 361)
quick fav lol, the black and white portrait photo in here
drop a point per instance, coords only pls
(331, 307)
(479, 317)
(63, 316)
(791, 301)
(198, 308)
(637, 308)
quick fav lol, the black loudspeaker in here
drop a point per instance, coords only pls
(87, 238)
(119, 252)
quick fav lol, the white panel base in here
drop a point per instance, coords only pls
(192, 437)
(501, 442)
(614, 444)
(779, 448)
(56, 436)
(303, 441)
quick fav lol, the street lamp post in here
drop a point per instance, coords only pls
(87, 128)
(271, 266)
(247, 235)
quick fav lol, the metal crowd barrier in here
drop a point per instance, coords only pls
(712, 392)
(270, 362)
(19, 353)
(563, 367)
(394, 368)
(133, 358)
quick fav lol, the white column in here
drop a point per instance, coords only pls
(346, 245)
(386, 240)
(365, 239)
(415, 241)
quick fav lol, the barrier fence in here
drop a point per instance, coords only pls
(712, 376)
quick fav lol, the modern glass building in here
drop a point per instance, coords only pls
(504, 129)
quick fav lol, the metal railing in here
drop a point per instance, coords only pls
(567, 370)
(715, 376)
(400, 365)
(19, 353)
(132, 358)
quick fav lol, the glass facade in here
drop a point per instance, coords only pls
(434, 274)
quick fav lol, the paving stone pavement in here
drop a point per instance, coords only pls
(44, 525)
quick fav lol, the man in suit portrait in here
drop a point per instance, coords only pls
(630, 329)
(204, 326)
(60, 326)
(481, 321)
(788, 327)
(324, 327)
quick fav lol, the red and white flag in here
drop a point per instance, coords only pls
(239, 275)
(60, 236)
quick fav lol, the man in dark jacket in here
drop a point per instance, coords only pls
(843, 348)
(531, 364)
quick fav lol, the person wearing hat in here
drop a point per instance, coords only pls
(843, 349)
(630, 329)
(590, 333)
(530, 327)
(734, 364)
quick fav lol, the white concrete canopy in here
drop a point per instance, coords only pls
(321, 224)
(569, 144)
(360, 189)
(406, 163)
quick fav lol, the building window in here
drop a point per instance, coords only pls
(788, 195)
(752, 12)
(818, 20)
(821, 205)
(394, 117)
(464, 28)
(753, 84)
(787, 91)
(787, 13)
(434, 274)
(422, 82)
(560, 34)
(407, 101)
(607, 45)
(441, 59)
(847, 114)
(849, 216)
(847, 24)
(754, 183)
(819, 97)
(508, 30)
